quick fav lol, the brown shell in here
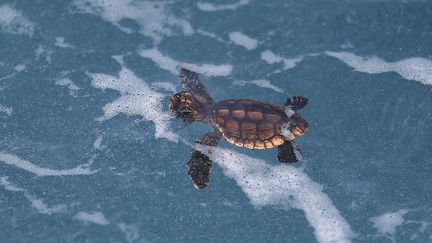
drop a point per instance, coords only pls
(249, 123)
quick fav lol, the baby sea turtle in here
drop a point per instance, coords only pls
(243, 122)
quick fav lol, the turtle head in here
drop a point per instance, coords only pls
(295, 127)
(184, 106)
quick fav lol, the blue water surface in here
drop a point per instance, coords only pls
(89, 151)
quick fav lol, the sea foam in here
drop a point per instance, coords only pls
(26, 165)
(137, 98)
(35, 202)
(415, 68)
(271, 58)
(92, 217)
(131, 232)
(171, 65)
(211, 35)
(14, 22)
(97, 144)
(60, 42)
(211, 7)
(386, 224)
(153, 17)
(18, 68)
(263, 83)
(73, 88)
(283, 186)
(6, 110)
(243, 40)
(43, 53)
(167, 86)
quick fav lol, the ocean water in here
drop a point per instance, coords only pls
(89, 151)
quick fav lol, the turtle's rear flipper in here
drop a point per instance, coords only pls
(200, 164)
(191, 82)
(199, 169)
(288, 152)
(296, 102)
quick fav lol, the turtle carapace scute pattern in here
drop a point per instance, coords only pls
(246, 123)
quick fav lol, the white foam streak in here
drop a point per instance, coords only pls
(153, 17)
(130, 231)
(41, 52)
(43, 208)
(26, 165)
(263, 83)
(69, 84)
(60, 42)
(284, 186)
(415, 68)
(5, 109)
(92, 217)
(171, 65)
(211, 35)
(6, 77)
(210, 7)
(386, 224)
(137, 98)
(14, 22)
(8, 186)
(170, 87)
(36, 203)
(243, 40)
(20, 67)
(97, 144)
(271, 58)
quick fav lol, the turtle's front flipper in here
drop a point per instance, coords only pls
(200, 164)
(296, 102)
(288, 152)
(191, 82)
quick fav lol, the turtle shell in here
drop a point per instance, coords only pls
(249, 123)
